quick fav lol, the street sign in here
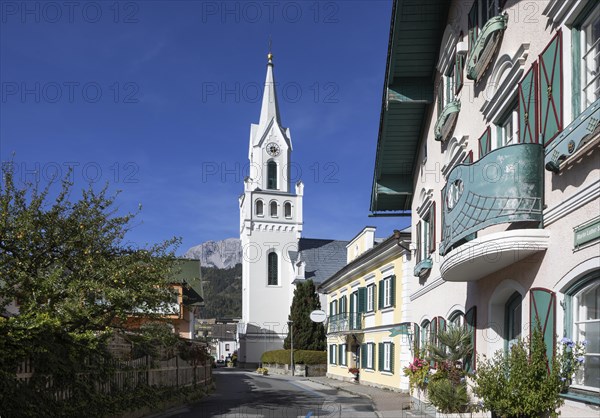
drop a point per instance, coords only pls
(318, 316)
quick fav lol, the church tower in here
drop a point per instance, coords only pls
(270, 227)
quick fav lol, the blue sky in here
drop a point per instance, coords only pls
(157, 98)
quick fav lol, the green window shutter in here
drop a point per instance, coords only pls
(528, 114)
(485, 142)
(472, 25)
(418, 251)
(440, 95)
(363, 356)
(362, 299)
(432, 228)
(334, 351)
(373, 355)
(551, 86)
(392, 354)
(380, 358)
(331, 313)
(393, 290)
(352, 307)
(381, 289)
(340, 353)
(375, 298)
(471, 325)
(343, 304)
(459, 67)
(543, 312)
(330, 353)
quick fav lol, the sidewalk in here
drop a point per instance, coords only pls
(387, 404)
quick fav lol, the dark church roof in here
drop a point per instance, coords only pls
(323, 257)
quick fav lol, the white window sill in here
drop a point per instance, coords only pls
(387, 309)
(387, 373)
(369, 370)
(369, 314)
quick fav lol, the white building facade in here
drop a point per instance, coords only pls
(503, 173)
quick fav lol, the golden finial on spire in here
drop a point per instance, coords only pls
(270, 54)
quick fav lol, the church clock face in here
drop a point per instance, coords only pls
(273, 149)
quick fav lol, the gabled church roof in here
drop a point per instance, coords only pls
(323, 257)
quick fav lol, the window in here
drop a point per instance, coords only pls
(370, 358)
(426, 234)
(445, 90)
(425, 326)
(459, 69)
(457, 319)
(585, 311)
(287, 210)
(226, 347)
(480, 13)
(273, 209)
(485, 143)
(271, 175)
(386, 357)
(386, 292)
(259, 208)
(512, 320)
(370, 298)
(507, 128)
(333, 308)
(354, 309)
(589, 64)
(332, 354)
(342, 305)
(273, 279)
(343, 358)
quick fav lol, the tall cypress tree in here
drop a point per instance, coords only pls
(308, 335)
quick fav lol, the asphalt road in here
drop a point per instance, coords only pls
(242, 394)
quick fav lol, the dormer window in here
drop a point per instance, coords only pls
(272, 175)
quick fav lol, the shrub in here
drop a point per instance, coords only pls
(417, 372)
(300, 357)
(519, 384)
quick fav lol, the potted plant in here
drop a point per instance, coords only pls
(418, 375)
(355, 371)
(262, 371)
(447, 388)
(518, 383)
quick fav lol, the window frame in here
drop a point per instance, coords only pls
(262, 208)
(370, 356)
(572, 324)
(272, 176)
(582, 66)
(287, 205)
(510, 116)
(333, 354)
(387, 356)
(273, 209)
(371, 297)
(269, 269)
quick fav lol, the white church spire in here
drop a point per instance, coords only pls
(269, 108)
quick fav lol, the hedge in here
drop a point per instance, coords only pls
(300, 357)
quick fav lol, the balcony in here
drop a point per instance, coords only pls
(504, 187)
(572, 141)
(485, 46)
(446, 120)
(344, 322)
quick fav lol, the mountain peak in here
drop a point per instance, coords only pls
(222, 254)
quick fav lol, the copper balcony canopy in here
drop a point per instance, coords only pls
(416, 32)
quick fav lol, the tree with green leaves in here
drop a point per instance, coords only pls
(69, 279)
(308, 335)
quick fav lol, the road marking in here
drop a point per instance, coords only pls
(304, 388)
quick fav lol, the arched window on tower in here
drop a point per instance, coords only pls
(273, 279)
(287, 210)
(273, 208)
(271, 175)
(259, 208)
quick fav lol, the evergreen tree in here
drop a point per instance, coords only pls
(308, 335)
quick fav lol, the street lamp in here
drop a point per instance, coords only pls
(291, 325)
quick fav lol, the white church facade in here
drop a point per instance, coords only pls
(274, 254)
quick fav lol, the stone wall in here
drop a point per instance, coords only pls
(306, 370)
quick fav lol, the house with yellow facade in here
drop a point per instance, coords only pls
(365, 301)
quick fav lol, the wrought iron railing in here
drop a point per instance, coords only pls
(344, 322)
(505, 186)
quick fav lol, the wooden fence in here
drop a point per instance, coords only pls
(129, 375)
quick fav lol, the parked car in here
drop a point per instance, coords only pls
(220, 363)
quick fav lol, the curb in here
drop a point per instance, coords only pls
(342, 389)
